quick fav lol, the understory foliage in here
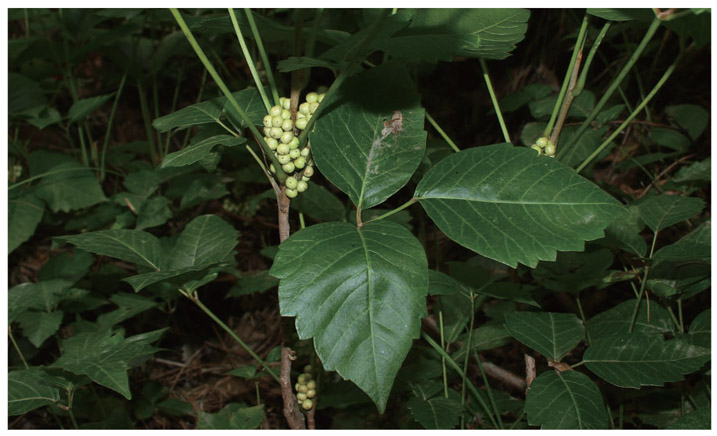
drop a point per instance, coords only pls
(499, 218)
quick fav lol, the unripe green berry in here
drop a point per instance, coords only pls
(310, 384)
(321, 97)
(308, 368)
(276, 121)
(283, 159)
(267, 121)
(272, 143)
(282, 149)
(302, 378)
(275, 111)
(299, 115)
(307, 404)
(537, 148)
(306, 151)
(302, 387)
(312, 107)
(301, 396)
(267, 131)
(291, 183)
(300, 162)
(294, 153)
(309, 171)
(283, 102)
(550, 149)
(301, 123)
(302, 186)
(310, 393)
(296, 387)
(286, 137)
(304, 108)
(542, 142)
(294, 143)
(276, 132)
(291, 193)
(312, 97)
(287, 125)
(272, 169)
(305, 179)
(288, 168)
(286, 114)
(322, 89)
(300, 402)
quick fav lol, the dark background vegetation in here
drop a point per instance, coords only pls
(195, 353)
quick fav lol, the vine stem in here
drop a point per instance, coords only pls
(262, 54)
(568, 101)
(616, 83)
(634, 113)
(643, 283)
(589, 60)
(280, 174)
(391, 212)
(231, 332)
(493, 98)
(249, 60)
(442, 133)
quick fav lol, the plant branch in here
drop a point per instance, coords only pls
(262, 54)
(442, 133)
(249, 60)
(493, 98)
(567, 102)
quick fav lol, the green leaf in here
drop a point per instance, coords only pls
(70, 186)
(508, 204)
(40, 296)
(442, 34)
(175, 407)
(435, 413)
(244, 371)
(46, 117)
(700, 331)
(670, 138)
(319, 203)
(129, 305)
(83, 107)
(622, 14)
(234, 416)
(616, 321)
(27, 391)
(105, 358)
(624, 232)
(250, 283)
(346, 290)
(249, 100)
(690, 117)
(196, 152)
(38, 326)
(456, 309)
(177, 277)
(131, 245)
(573, 272)
(697, 172)
(23, 93)
(485, 337)
(356, 151)
(293, 63)
(206, 239)
(24, 214)
(153, 212)
(551, 334)
(637, 359)
(70, 266)
(442, 284)
(661, 211)
(565, 400)
(699, 419)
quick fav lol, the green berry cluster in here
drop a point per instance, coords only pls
(306, 389)
(544, 146)
(279, 131)
(231, 206)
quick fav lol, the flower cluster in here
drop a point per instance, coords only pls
(544, 146)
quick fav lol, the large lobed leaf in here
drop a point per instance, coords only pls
(351, 146)
(551, 334)
(360, 293)
(513, 206)
(565, 400)
(27, 391)
(662, 211)
(637, 359)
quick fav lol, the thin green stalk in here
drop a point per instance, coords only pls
(249, 60)
(468, 354)
(569, 73)
(110, 122)
(442, 133)
(70, 400)
(582, 316)
(83, 147)
(262, 54)
(589, 59)
(455, 366)
(443, 359)
(493, 98)
(489, 390)
(53, 172)
(261, 164)
(637, 110)
(175, 97)
(618, 80)
(643, 283)
(27, 23)
(155, 103)
(517, 421)
(311, 43)
(280, 174)
(391, 212)
(147, 122)
(679, 312)
(199, 98)
(231, 333)
(17, 348)
(302, 224)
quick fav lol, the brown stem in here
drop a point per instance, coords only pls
(310, 417)
(293, 415)
(529, 371)
(503, 375)
(568, 100)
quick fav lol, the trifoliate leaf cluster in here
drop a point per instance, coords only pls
(544, 146)
(306, 389)
(280, 135)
